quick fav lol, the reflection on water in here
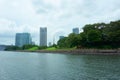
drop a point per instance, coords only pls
(35, 66)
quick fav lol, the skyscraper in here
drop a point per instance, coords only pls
(43, 36)
(76, 30)
(23, 39)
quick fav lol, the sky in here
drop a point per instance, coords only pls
(59, 16)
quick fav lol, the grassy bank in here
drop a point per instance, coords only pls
(33, 49)
(49, 49)
(76, 51)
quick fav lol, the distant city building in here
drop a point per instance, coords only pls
(76, 30)
(50, 44)
(61, 37)
(33, 43)
(23, 39)
(43, 36)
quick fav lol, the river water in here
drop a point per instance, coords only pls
(45, 66)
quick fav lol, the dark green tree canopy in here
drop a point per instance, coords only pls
(97, 35)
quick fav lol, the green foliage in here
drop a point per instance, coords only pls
(10, 48)
(94, 36)
(33, 48)
(69, 42)
(51, 48)
(99, 35)
(54, 45)
(25, 47)
(42, 47)
(73, 40)
(62, 43)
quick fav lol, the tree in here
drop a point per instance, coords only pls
(62, 43)
(97, 35)
(73, 40)
(94, 36)
(10, 48)
(24, 47)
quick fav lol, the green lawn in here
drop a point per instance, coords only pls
(51, 48)
(33, 48)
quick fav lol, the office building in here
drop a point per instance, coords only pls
(76, 30)
(50, 44)
(43, 36)
(61, 37)
(23, 39)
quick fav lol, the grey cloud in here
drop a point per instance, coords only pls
(42, 7)
(69, 14)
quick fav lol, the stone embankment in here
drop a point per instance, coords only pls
(80, 51)
(84, 51)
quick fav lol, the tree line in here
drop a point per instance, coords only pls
(99, 35)
(24, 47)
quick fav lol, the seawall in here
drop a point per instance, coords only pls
(82, 51)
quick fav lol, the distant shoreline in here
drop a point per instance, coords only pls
(80, 51)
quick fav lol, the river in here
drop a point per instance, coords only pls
(45, 66)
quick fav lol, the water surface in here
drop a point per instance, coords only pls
(36, 66)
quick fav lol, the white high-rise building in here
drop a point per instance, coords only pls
(43, 36)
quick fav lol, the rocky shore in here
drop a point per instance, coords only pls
(81, 51)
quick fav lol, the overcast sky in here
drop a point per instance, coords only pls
(59, 16)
